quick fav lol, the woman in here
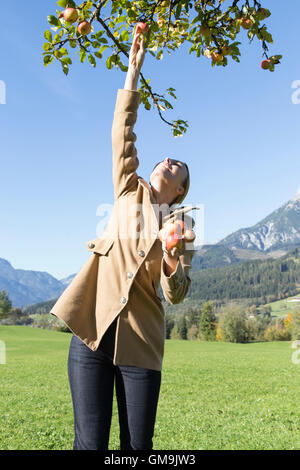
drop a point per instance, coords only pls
(112, 306)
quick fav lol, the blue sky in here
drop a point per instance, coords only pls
(242, 146)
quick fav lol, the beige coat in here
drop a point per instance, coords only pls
(122, 276)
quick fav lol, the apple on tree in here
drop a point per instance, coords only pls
(70, 15)
(246, 23)
(216, 57)
(266, 64)
(84, 28)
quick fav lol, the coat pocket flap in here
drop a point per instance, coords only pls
(100, 245)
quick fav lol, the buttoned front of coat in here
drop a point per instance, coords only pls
(122, 276)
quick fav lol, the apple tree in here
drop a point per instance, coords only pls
(101, 30)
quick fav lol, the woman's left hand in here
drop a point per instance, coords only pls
(137, 51)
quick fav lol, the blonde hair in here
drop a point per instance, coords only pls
(186, 184)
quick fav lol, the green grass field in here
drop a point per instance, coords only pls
(281, 308)
(213, 395)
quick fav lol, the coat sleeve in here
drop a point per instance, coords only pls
(176, 286)
(125, 160)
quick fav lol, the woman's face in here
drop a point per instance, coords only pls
(173, 172)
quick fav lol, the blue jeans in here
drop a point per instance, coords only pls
(92, 376)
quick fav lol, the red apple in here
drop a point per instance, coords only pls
(175, 228)
(70, 15)
(142, 27)
(172, 242)
(189, 235)
(226, 50)
(216, 57)
(265, 64)
(246, 23)
(84, 28)
(205, 31)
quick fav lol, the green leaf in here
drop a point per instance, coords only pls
(160, 55)
(82, 55)
(98, 34)
(178, 10)
(124, 36)
(102, 49)
(198, 18)
(47, 60)
(62, 3)
(65, 68)
(46, 46)
(168, 105)
(66, 60)
(109, 62)
(92, 60)
(121, 19)
(58, 54)
(48, 35)
(53, 20)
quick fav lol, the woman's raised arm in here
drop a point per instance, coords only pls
(135, 62)
(125, 160)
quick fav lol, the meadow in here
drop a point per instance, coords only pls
(281, 308)
(214, 395)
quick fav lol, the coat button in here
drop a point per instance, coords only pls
(123, 300)
(129, 275)
(91, 245)
(141, 253)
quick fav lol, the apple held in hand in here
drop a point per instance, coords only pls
(174, 234)
(70, 15)
(175, 229)
(189, 235)
(142, 27)
(84, 28)
(172, 242)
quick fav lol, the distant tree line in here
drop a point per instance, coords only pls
(234, 321)
(262, 281)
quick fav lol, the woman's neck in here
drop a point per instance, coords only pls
(158, 197)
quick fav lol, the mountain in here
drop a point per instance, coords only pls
(258, 281)
(66, 280)
(280, 230)
(27, 287)
(271, 238)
